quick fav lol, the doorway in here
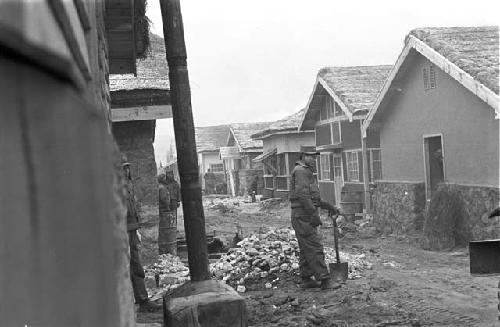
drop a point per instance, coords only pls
(433, 163)
(338, 176)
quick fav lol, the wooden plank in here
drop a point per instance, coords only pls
(141, 113)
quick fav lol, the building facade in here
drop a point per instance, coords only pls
(336, 109)
(437, 118)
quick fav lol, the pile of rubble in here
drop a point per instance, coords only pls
(169, 271)
(260, 258)
(265, 256)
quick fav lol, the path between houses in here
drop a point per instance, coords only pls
(407, 286)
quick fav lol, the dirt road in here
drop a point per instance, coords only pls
(407, 286)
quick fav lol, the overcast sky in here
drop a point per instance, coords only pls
(257, 60)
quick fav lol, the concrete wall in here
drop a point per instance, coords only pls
(135, 139)
(470, 132)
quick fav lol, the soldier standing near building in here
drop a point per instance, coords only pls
(305, 200)
(169, 200)
(136, 270)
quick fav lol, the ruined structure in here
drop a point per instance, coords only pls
(136, 102)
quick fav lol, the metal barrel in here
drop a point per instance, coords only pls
(167, 232)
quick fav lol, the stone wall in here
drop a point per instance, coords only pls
(135, 139)
(479, 201)
(399, 206)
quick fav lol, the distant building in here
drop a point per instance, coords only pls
(209, 140)
(136, 103)
(238, 154)
(437, 117)
(281, 149)
(336, 109)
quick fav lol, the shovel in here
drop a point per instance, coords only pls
(338, 271)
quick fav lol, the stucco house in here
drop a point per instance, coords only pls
(137, 100)
(340, 101)
(238, 154)
(437, 117)
(281, 149)
(209, 140)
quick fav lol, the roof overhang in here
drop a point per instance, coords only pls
(229, 152)
(265, 155)
(141, 113)
(465, 79)
(307, 113)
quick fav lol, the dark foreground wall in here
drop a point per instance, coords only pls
(135, 139)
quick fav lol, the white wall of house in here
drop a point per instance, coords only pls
(289, 142)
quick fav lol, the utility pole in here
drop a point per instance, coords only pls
(187, 159)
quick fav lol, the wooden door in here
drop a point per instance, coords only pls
(338, 176)
(433, 163)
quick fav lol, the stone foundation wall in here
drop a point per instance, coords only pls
(246, 176)
(135, 139)
(399, 206)
(479, 201)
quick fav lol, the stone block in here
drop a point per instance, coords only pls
(204, 304)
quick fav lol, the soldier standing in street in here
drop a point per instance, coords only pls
(305, 200)
(136, 270)
(169, 200)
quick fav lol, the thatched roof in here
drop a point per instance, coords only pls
(211, 138)
(357, 87)
(152, 72)
(141, 24)
(242, 135)
(288, 124)
(473, 49)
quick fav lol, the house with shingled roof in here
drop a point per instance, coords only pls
(340, 100)
(238, 155)
(281, 149)
(137, 101)
(437, 119)
(209, 140)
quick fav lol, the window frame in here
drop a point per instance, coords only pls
(322, 170)
(211, 167)
(351, 164)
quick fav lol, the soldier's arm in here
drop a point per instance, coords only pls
(302, 190)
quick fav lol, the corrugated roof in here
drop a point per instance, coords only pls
(152, 72)
(472, 49)
(289, 123)
(357, 87)
(242, 133)
(211, 138)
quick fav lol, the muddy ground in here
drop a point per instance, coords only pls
(407, 286)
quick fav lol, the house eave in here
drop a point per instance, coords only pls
(462, 77)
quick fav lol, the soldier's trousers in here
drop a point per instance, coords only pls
(312, 256)
(136, 270)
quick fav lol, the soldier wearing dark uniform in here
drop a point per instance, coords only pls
(136, 270)
(305, 200)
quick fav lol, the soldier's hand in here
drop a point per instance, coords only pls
(315, 220)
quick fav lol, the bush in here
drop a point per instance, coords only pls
(446, 219)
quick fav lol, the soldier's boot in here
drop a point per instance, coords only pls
(328, 284)
(309, 283)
